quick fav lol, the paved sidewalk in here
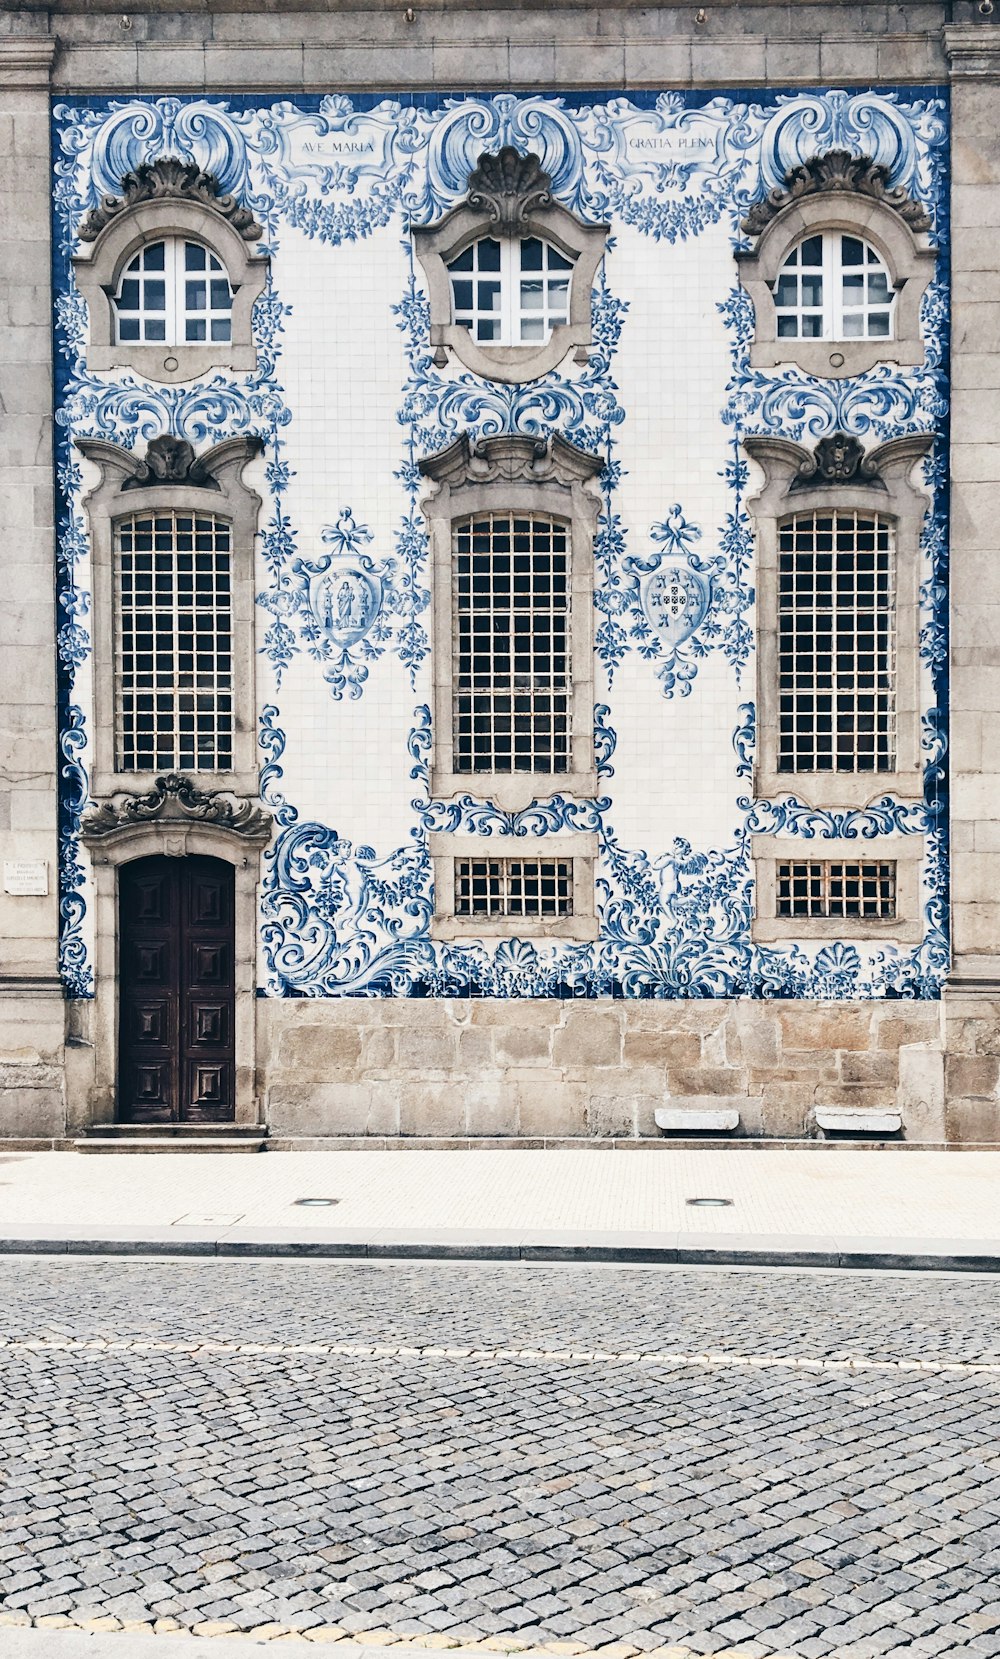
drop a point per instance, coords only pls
(854, 1208)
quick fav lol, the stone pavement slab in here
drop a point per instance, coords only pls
(828, 1208)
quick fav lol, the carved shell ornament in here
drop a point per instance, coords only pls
(169, 179)
(837, 459)
(509, 187)
(836, 172)
(174, 799)
(170, 460)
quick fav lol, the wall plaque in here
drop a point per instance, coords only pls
(25, 879)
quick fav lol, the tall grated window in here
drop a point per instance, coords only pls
(492, 887)
(836, 644)
(173, 646)
(511, 643)
(824, 887)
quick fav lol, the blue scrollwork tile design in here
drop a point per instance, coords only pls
(346, 590)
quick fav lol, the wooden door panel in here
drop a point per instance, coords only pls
(177, 999)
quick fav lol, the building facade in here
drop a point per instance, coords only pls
(501, 629)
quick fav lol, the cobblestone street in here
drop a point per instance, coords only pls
(618, 1458)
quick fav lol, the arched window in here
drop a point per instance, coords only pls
(512, 292)
(174, 293)
(834, 287)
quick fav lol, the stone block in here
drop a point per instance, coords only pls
(706, 1080)
(588, 1037)
(29, 1111)
(920, 1093)
(971, 1077)
(972, 1121)
(475, 1048)
(690, 1118)
(427, 1050)
(330, 1109)
(318, 1053)
(862, 1096)
(522, 1045)
(433, 1109)
(660, 1048)
(378, 1049)
(491, 1107)
(880, 1067)
(529, 1011)
(820, 1026)
(548, 1107)
(854, 1120)
(611, 1117)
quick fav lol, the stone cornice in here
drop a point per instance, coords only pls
(974, 54)
(26, 61)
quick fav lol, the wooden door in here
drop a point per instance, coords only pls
(176, 991)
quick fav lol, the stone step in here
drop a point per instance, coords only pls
(165, 1137)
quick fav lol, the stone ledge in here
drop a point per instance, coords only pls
(857, 1120)
(709, 1117)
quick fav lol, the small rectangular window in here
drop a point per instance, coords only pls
(529, 887)
(511, 688)
(839, 890)
(836, 644)
(173, 644)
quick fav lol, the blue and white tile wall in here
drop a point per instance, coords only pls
(347, 398)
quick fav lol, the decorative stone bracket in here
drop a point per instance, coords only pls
(511, 456)
(169, 179)
(836, 172)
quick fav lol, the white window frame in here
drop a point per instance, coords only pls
(176, 313)
(832, 270)
(511, 277)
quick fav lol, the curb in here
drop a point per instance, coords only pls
(890, 1255)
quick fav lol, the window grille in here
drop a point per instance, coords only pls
(492, 887)
(174, 293)
(511, 633)
(173, 673)
(834, 287)
(510, 293)
(846, 891)
(836, 644)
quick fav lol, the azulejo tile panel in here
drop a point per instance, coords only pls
(347, 398)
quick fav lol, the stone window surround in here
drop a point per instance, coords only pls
(535, 214)
(906, 851)
(233, 501)
(579, 845)
(520, 474)
(98, 267)
(784, 463)
(175, 840)
(911, 266)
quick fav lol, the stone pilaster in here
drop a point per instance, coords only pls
(31, 1004)
(972, 1063)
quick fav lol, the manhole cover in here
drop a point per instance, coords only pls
(710, 1203)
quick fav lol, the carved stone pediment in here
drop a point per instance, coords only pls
(175, 801)
(509, 187)
(836, 172)
(838, 461)
(168, 179)
(511, 457)
(170, 462)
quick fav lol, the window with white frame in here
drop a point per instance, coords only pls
(850, 890)
(510, 292)
(174, 292)
(500, 887)
(511, 683)
(836, 643)
(173, 643)
(834, 287)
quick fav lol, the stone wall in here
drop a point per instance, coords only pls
(543, 1069)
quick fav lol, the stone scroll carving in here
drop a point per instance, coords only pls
(174, 800)
(509, 187)
(165, 180)
(836, 172)
(510, 457)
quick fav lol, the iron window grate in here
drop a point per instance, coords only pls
(498, 887)
(511, 643)
(836, 644)
(174, 665)
(841, 890)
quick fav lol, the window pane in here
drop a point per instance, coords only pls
(154, 256)
(852, 251)
(531, 254)
(812, 251)
(194, 256)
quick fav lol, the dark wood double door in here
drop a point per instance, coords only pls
(176, 950)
